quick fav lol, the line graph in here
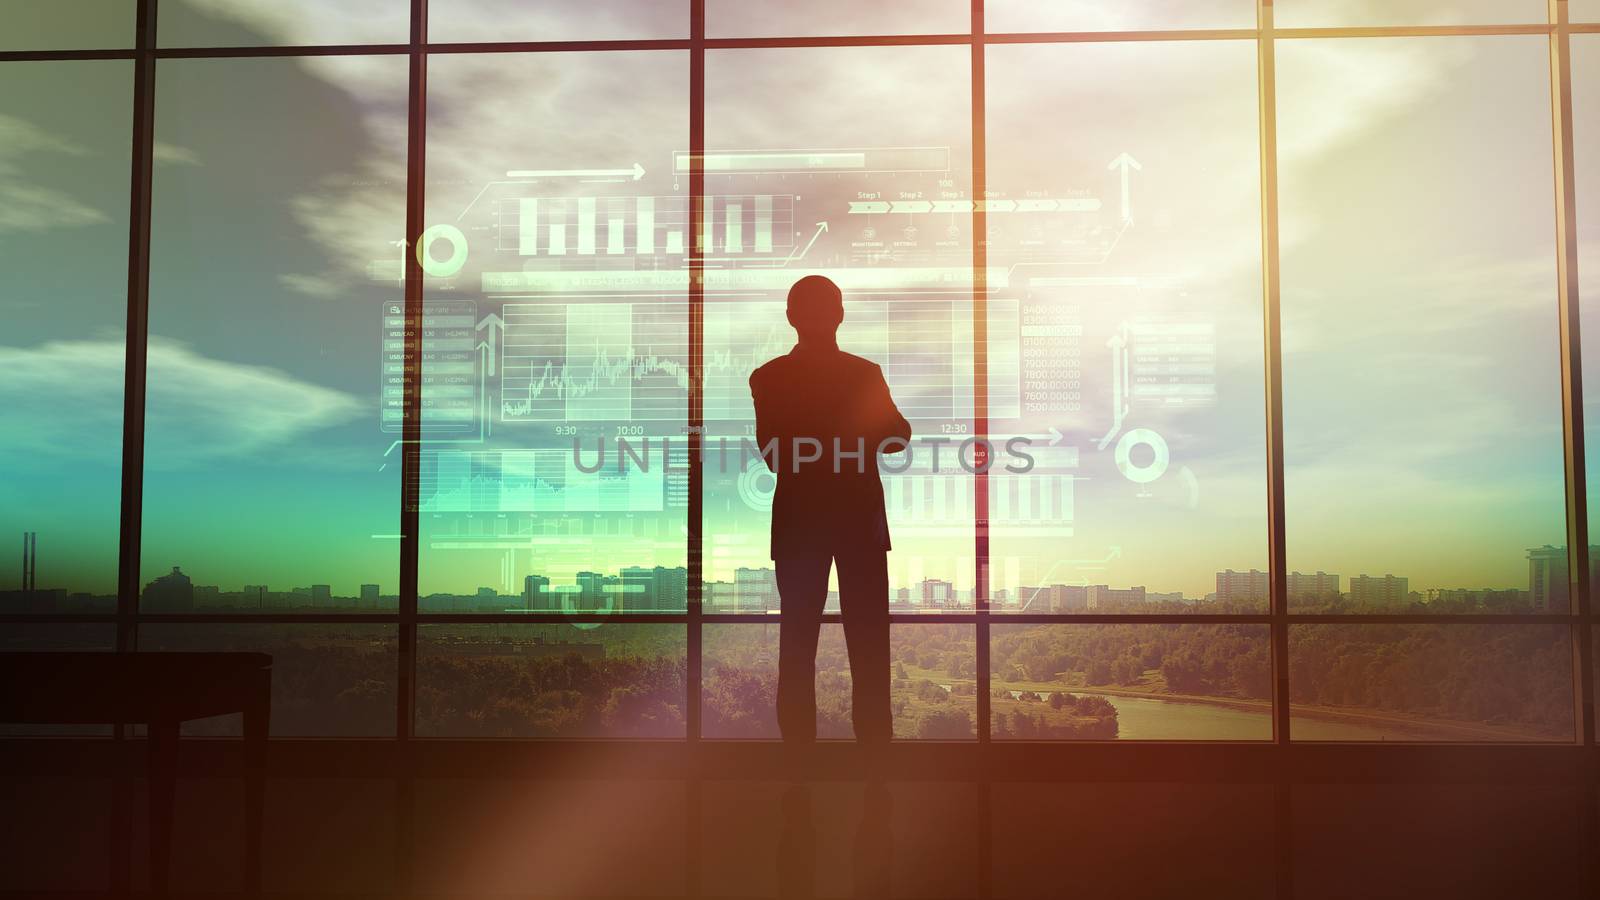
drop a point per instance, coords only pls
(594, 361)
(584, 362)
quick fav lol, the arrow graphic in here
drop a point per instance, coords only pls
(494, 323)
(1126, 165)
(1119, 373)
(821, 227)
(486, 423)
(636, 173)
(1114, 551)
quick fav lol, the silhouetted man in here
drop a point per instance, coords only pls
(822, 416)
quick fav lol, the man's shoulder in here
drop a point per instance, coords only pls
(770, 368)
(858, 363)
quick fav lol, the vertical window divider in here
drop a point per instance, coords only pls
(695, 589)
(980, 432)
(1272, 326)
(696, 424)
(133, 412)
(411, 445)
(1577, 505)
(138, 324)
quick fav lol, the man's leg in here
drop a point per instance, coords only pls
(803, 589)
(864, 601)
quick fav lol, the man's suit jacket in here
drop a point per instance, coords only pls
(834, 503)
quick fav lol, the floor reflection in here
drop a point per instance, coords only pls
(871, 848)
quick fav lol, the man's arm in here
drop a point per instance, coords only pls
(891, 424)
(764, 422)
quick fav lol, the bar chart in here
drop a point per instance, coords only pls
(735, 225)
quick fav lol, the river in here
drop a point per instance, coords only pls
(1156, 719)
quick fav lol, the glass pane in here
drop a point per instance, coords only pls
(1423, 466)
(569, 681)
(1431, 682)
(1144, 15)
(1132, 232)
(776, 18)
(515, 20)
(79, 25)
(1349, 13)
(327, 680)
(1584, 11)
(932, 690)
(1586, 164)
(1131, 682)
(64, 169)
(267, 482)
(29, 636)
(803, 183)
(257, 23)
(555, 356)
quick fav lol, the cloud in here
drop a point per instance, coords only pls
(26, 205)
(63, 400)
(311, 285)
(174, 155)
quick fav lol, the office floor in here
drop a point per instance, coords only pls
(633, 838)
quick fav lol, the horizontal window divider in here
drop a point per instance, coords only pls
(1112, 37)
(756, 43)
(295, 50)
(575, 46)
(842, 40)
(1007, 761)
(672, 618)
(1379, 31)
(1436, 619)
(773, 618)
(49, 55)
(266, 619)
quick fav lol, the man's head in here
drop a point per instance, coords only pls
(816, 307)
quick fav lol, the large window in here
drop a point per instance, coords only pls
(425, 368)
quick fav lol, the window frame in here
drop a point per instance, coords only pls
(146, 54)
(1279, 761)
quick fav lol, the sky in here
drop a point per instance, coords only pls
(1422, 405)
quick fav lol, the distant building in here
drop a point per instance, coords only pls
(1099, 596)
(1320, 586)
(1069, 598)
(1548, 579)
(938, 593)
(369, 596)
(720, 595)
(1243, 587)
(536, 594)
(254, 596)
(755, 589)
(597, 592)
(173, 592)
(1387, 590)
(207, 595)
(321, 595)
(1486, 599)
(672, 588)
(657, 588)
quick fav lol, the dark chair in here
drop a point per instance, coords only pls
(161, 690)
